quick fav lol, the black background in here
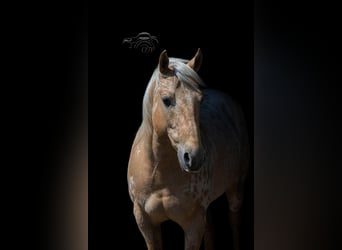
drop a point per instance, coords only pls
(282, 64)
(116, 109)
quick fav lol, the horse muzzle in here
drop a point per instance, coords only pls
(190, 160)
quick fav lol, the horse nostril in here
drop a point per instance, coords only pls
(187, 159)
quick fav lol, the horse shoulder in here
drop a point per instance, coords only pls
(139, 165)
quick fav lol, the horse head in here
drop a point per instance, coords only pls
(176, 108)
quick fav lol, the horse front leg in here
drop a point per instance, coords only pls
(235, 199)
(194, 229)
(150, 232)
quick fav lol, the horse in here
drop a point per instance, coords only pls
(191, 147)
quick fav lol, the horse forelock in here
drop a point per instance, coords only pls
(186, 74)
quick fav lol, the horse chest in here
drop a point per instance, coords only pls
(175, 201)
(163, 205)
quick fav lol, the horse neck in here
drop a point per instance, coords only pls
(162, 149)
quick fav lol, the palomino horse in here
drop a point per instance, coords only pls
(191, 148)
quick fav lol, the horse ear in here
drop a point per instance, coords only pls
(164, 63)
(196, 62)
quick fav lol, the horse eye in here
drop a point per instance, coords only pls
(167, 101)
